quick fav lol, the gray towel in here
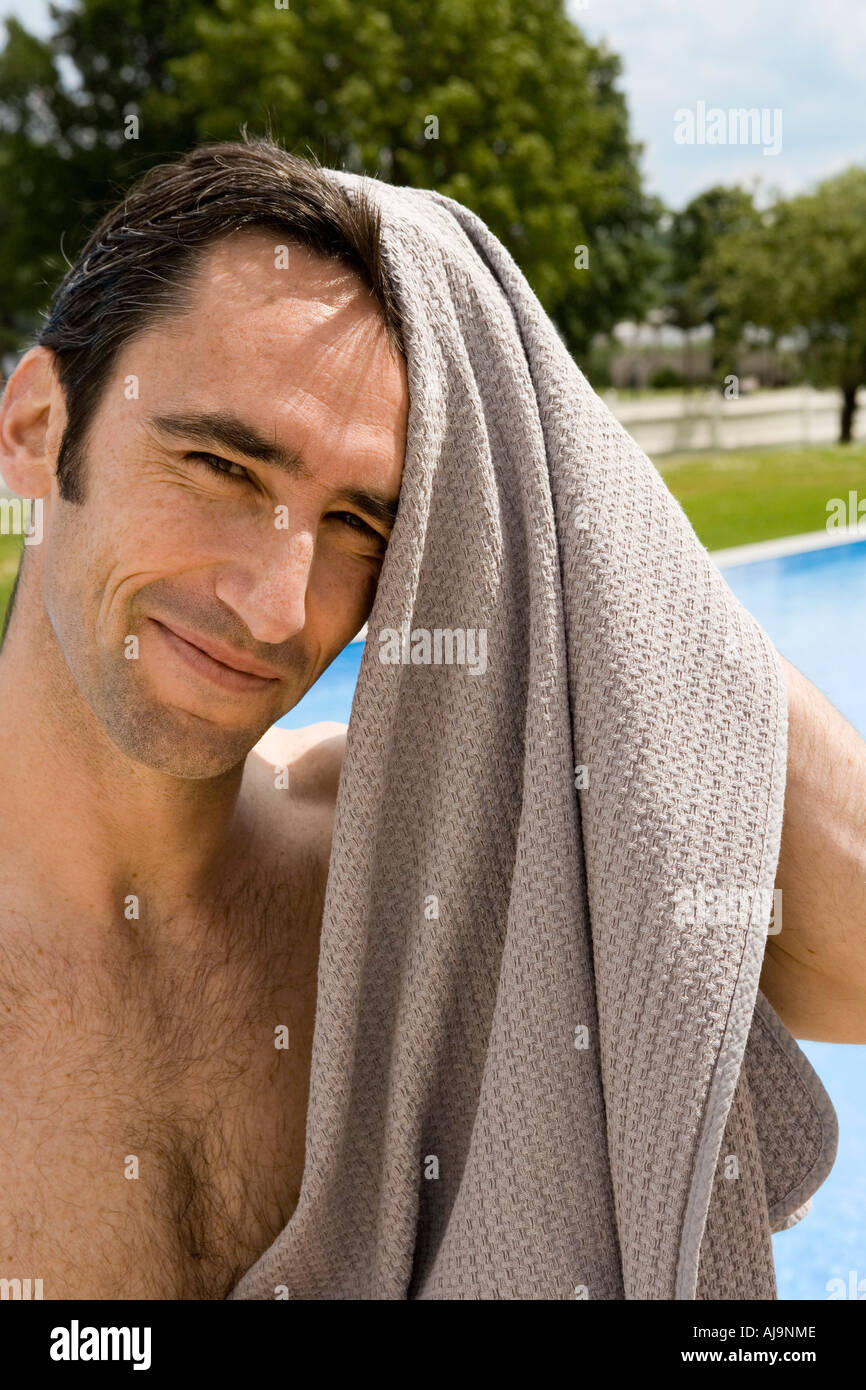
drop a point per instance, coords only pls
(542, 1067)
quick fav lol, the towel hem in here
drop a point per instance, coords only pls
(735, 1037)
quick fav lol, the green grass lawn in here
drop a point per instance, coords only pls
(730, 498)
(744, 495)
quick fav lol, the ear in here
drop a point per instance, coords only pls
(32, 419)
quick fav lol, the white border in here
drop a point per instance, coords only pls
(788, 545)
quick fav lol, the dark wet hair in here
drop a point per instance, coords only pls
(138, 267)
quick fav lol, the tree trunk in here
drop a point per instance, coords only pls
(849, 407)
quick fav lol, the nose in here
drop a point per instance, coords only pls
(267, 588)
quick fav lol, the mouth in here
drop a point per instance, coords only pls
(247, 675)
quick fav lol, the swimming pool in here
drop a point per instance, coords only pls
(813, 605)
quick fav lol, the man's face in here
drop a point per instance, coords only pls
(185, 537)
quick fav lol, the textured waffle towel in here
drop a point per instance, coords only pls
(541, 1066)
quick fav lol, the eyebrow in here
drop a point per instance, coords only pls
(230, 432)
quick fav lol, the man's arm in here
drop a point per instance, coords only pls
(814, 972)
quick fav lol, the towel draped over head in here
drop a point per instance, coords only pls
(542, 1067)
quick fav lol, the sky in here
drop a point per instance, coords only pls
(803, 58)
(800, 64)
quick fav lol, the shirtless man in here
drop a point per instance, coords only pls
(161, 889)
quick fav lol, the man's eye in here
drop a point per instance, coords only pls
(222, 466)
(357, 524)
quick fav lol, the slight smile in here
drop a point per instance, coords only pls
(246, 675)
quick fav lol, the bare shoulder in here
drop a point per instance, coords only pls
(312, 756)
(285, 818)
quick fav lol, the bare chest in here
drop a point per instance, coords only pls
(153, 1104)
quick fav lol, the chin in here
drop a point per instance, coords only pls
(181, 744)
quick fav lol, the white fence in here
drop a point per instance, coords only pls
(675, 423)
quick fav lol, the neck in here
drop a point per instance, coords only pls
(98, 827)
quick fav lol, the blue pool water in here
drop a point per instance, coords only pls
(331, 696)
(814, 608)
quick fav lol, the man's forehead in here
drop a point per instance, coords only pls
(306, 321)
(259, 266)
(313, 375)
(304, 334)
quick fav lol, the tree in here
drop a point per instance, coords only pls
(801, 270)
(64, 158)
(693, 289)
(499, 104)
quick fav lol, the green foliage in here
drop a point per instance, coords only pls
(693, 285)
(63, 156)
(666, 379)
(532, 129)
(801, 269)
